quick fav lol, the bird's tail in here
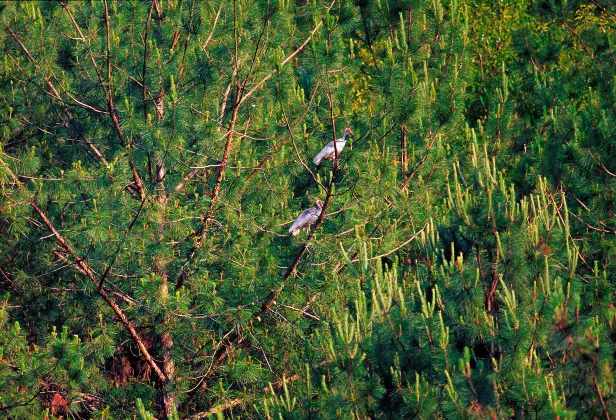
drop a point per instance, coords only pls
(293, 229)
(318, 158)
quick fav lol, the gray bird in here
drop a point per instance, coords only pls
(307, 218)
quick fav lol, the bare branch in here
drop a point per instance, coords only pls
(207, 41)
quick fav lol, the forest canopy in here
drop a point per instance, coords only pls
(180, 239)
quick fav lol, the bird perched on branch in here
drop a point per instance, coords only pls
(307, 218)
(328, 151)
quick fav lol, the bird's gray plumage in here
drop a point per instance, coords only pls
(307, 218)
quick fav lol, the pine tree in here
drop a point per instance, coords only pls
(154, 153)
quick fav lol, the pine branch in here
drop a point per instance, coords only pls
(404, 157)
(225, 97)
(120, 296)
(605, 410)
(86, 106)
(495, 277)
(423, 159)
(283, 142)
(144, 87)
(180, 186)
(232, 335)
(20, 404)
(241, 97)
(57, 96)
(108, 91)
(207, 219)
(589, 226)
(112, 110)
(121, 243)
(241, 401)
(299, 157)
(93, 148)
(402, 245)
(289, 58)
(564, 223)
(83, 266)
(354, 258)
(601, 165)
(207, 41)
(166, 343)
(577, 37)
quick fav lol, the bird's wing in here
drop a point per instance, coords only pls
(328, 150)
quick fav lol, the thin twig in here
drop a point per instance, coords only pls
(289, 58)
(240, 401)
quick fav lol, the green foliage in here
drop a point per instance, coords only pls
(153, 154)
(52, 375)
